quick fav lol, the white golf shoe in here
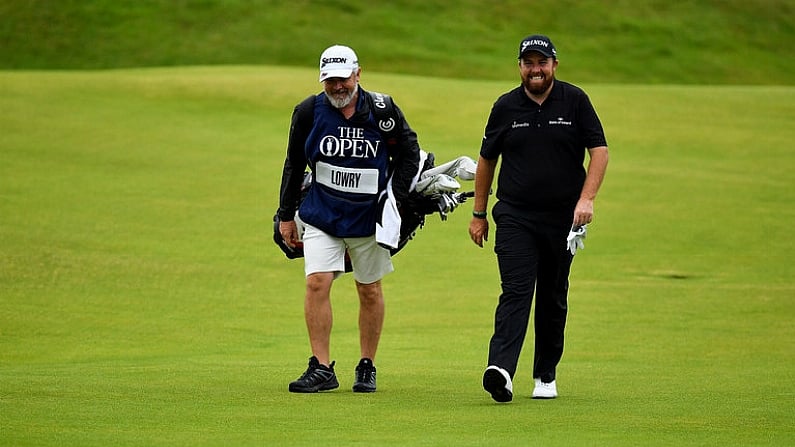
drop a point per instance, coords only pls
(544, 390)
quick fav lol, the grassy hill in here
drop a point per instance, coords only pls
(619, 41)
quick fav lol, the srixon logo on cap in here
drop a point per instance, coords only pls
(535, 43)
(334, 60)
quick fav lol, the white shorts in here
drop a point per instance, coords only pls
(326, 253)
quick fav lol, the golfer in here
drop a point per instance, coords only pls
(542, 130)
(336, 134)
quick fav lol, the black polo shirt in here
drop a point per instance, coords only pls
(542, 146)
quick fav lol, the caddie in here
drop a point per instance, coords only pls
(337, 135)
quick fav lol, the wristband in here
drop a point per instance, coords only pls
(479, 214)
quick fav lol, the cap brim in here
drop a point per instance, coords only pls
(346, 73)
(533, 50)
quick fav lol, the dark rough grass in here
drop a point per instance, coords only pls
(620, 41)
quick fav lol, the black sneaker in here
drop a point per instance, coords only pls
(365, 377)
(316, 378)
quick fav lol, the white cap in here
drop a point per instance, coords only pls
(338, 62)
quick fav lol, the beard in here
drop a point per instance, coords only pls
(341, 98)
(537, 87)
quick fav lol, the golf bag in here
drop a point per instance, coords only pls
(434, 192)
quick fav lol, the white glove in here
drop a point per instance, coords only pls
(575, 239)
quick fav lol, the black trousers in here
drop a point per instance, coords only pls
(532, 257)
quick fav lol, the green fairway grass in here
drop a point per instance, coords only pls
(142, 301)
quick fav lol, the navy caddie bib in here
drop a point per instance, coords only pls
(349, 162)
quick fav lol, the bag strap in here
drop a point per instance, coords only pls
(385, 116)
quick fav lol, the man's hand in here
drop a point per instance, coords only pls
(289, 232)
(583, 212)
(479, 230)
